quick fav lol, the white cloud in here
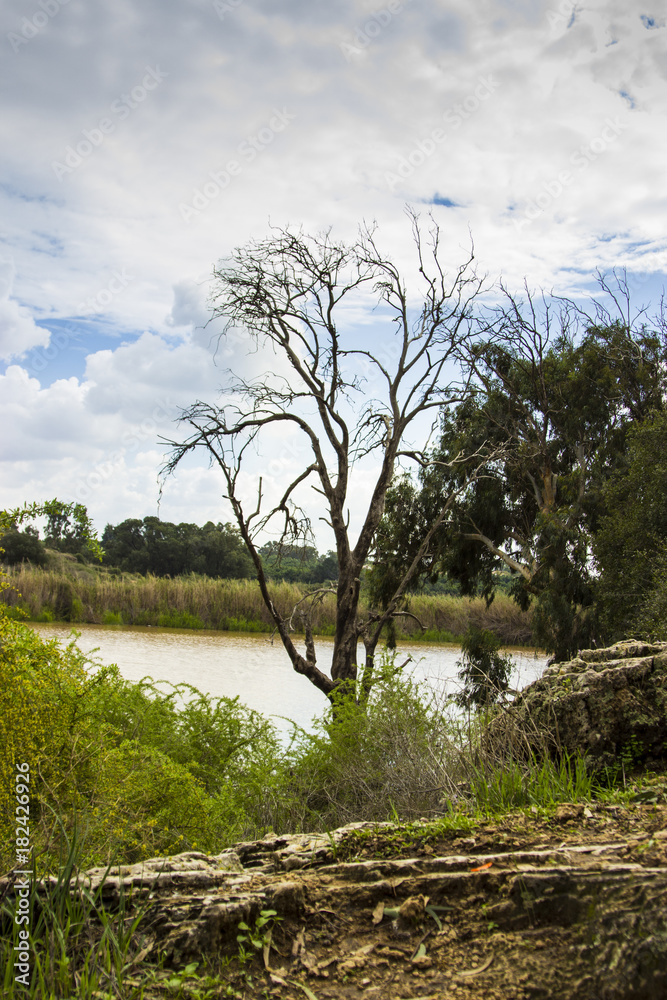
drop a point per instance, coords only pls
(108, 240)
(18, 331)
(190, 305)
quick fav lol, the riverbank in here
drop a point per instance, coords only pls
(490, 858)
(83, 594)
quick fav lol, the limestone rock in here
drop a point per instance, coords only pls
(608, 704)
(574, 907)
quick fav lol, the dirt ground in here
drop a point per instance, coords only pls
(570, 904)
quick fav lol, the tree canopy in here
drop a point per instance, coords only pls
(630, 545)
(165, 549)
(557, 391)
(68, 524)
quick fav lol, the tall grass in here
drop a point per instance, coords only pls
(75, 948)
(78, 594)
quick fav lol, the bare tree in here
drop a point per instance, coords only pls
(290, 292)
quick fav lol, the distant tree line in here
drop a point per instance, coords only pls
(216, 550)
(166, 549)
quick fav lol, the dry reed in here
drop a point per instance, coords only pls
(80, 594)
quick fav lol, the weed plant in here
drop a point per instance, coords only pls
(496, 790)
(152, 770)
(149, 769)
(155, 769)
(392, 755)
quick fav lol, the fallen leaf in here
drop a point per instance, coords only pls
(378, 913)
(482, 867)
(398, 880)
(142, 955)
(298, 944)
(365, 950)
(467, 973)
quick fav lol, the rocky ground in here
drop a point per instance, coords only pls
(563, 903)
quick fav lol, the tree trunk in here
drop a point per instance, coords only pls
(344, 663)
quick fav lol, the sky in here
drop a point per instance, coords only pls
(142, 141)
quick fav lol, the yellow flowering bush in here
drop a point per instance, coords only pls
(42, 685)
(136, 769)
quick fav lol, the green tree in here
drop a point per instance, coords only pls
(69, 529)
(631, 543)
(167, 549)
(125, 546)
(221, 552)
(65, 521)
(23, 546)
(485, 671)
(298, 563)
(555, 391)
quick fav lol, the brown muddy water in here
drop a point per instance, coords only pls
(254, 668)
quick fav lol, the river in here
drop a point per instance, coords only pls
(250, 666)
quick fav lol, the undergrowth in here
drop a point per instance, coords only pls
(124, 771)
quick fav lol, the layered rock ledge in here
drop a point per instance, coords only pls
(609, 705)
(567, 905)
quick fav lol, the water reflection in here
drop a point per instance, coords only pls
(250, 666)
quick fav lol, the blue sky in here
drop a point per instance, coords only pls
(142, 141)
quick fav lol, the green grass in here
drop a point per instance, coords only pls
(125, 771)
(543, 784)
(75, 947)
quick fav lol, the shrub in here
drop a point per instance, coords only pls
(485, 672)
(144, 771)
(41, 689)
(391, 755)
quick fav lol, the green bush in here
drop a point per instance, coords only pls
(77, 612)
(42, 685)
(485, 672)
(145, 804)
(179, 619)
(370, 761)
(112, 618)
(144, 770)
